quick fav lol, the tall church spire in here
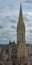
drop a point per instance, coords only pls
(20, 20)
(20, 14)
(20, 28)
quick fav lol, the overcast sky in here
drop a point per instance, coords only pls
(9, 12)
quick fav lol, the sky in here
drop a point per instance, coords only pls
(9, 13)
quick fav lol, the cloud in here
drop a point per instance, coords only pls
(13, 27)
(29, 13)
(1, 27)
(28, 1)
(8, 32)
(9, 12)
(28, 25)
(8, 19)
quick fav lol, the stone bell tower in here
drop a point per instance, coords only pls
(20, 36)
(20, 28)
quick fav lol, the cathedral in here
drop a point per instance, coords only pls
(20, 53)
